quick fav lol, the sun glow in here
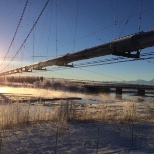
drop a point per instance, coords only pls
(39, 92)
(4, 89)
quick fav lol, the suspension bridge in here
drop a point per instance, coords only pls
(127, 48)
(121, 47)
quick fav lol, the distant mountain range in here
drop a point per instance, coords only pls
(139, 81)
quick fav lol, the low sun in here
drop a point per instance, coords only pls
(3, 89)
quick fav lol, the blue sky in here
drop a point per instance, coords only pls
(76, 25)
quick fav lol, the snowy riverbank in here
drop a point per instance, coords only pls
(79, 138)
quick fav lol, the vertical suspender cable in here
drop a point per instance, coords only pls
(33, 43)
(27, 35)
(76, 21)
(56, 31)
(16, 31)
(140, 16)
(50, 12)
(115, 20)
(128, 18)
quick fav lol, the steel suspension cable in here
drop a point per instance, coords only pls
(77, 66)
(23, 12)
(140, 16)
(113, 59)
(107, 61)
(28, 34)
(76, 22)
(128, 18)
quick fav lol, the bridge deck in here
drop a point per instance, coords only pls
(120, 86)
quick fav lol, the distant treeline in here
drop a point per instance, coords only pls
(20, 79)
(41, 82)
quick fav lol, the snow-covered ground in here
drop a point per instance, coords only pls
(79, 138)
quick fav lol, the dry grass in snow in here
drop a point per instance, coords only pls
(15, 113)
(120, 111)
(18, 113)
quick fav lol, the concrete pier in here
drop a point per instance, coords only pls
(119, 91)
(141, 92)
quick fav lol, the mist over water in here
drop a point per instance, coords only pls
(86, 97)
(45, 93)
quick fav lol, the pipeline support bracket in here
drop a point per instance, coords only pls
(127, 54)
